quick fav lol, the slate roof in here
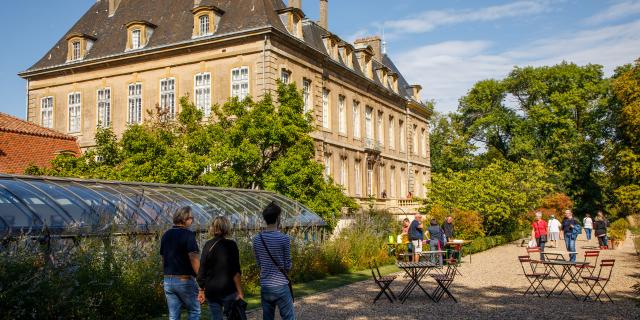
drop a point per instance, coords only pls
(174, 21)
(9, 123)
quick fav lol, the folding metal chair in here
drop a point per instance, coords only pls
(383, 283)
(535, 278)
(445, 280)
(592, 258)
(601, 280)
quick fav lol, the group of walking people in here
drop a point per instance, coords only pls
(543, 231)
(437, 235)
(192, 277)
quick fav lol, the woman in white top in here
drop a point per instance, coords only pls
(588, 226)
(554, 230)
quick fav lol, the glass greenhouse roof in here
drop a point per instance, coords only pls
(75, 206)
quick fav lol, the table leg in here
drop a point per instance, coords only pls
(560, 277)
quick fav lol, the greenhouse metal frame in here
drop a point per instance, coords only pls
(31, 205)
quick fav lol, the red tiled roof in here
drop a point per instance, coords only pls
(9, 123)
(23, 144)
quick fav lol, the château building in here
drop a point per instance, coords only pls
(124, 57)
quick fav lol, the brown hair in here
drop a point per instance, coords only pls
(182, 215)
(220, 227)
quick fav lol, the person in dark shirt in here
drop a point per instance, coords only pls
(568, 224)
(436, 235)
(219, 275)
(416, 235)
(179, 251)
(447, 227)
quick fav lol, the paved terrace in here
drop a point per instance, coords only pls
(491, 288)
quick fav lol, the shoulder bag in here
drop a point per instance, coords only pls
(281, 269)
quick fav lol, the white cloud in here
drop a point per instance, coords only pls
(447, 70)
(616, 11)
(429, 20)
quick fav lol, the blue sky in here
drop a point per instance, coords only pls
(444, 45)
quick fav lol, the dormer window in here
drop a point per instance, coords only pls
(393, 79)
(364, 60)
(205, 20)
(292, 19)
(331, 44)
(382, 75)
(346, 54)
(138, 34)
(79, 45)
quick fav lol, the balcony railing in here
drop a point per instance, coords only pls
(372, 145)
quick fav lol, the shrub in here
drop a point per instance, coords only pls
(554, 204)
(618, 230)
(468, 223)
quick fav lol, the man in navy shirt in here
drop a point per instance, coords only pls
(416, 235)
(180, 262)
(568, 224)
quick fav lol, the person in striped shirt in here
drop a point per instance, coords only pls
(273, 256)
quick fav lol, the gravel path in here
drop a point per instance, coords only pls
(491, 288)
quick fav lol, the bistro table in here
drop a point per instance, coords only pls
(556, 255)
(457, 245)
(416, 271)
(565, 272)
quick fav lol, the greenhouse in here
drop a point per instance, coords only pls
(29, 205)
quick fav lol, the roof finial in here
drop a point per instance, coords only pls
(384, 43)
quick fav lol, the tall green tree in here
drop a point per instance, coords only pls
(551, 114)
(450, 147)
(263, 144)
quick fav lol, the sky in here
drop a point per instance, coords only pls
(444, 45)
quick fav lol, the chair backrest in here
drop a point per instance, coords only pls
(533, 250)
(452, 267)
(591, 257)
(606, 267)
(524, 261)
(375, 265)
(373, 273)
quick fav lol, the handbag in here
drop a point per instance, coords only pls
(281, 269)
(543, 238)
(237, 310)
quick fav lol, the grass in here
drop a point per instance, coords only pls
(313, 287)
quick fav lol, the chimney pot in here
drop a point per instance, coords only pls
(295, 4)
(375, 43)
(324, 14)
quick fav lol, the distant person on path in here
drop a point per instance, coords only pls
(219, 275)
(447, 227)
(180, 262)
(416, 235)
(436, 237)
(601, 230)
(554, 230)
(587, 223)
(273, 256)
(569, 227)
(539, 232)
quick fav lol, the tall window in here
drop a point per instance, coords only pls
(392, 133)
(240, 82)
(75, 53)
(168, 97)
(135, 103)
(358, 178)
(414, 147)
(423, 144)
(342, 113)
(344, 177)
(327, 166)
(356, 119)
(368, 126)
(46, 112)
(402, 136)
(325, 109)
(135, 39)
(285, 76)
(203, 93)
(380, 128)
(306, 95)
(392, 182)
(369, 179)
(104, 107)
(381, 180)
(204, 25)
(403, 182)
(75, 107)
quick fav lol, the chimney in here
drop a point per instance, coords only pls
(295, 4)
(324, 14)
(113, 6)
(415, 92)
(375, 43)
(196, 3)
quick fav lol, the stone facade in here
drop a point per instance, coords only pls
(389, 156)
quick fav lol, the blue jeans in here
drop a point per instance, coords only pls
(179, 293)
(433, 245)
(541, 245)
(280, 297)
(216, 307)
(570, 242)
(588, 232)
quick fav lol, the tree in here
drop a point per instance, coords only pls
(551, 114)
(450, 148)
(258, 145)
(622, 156)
